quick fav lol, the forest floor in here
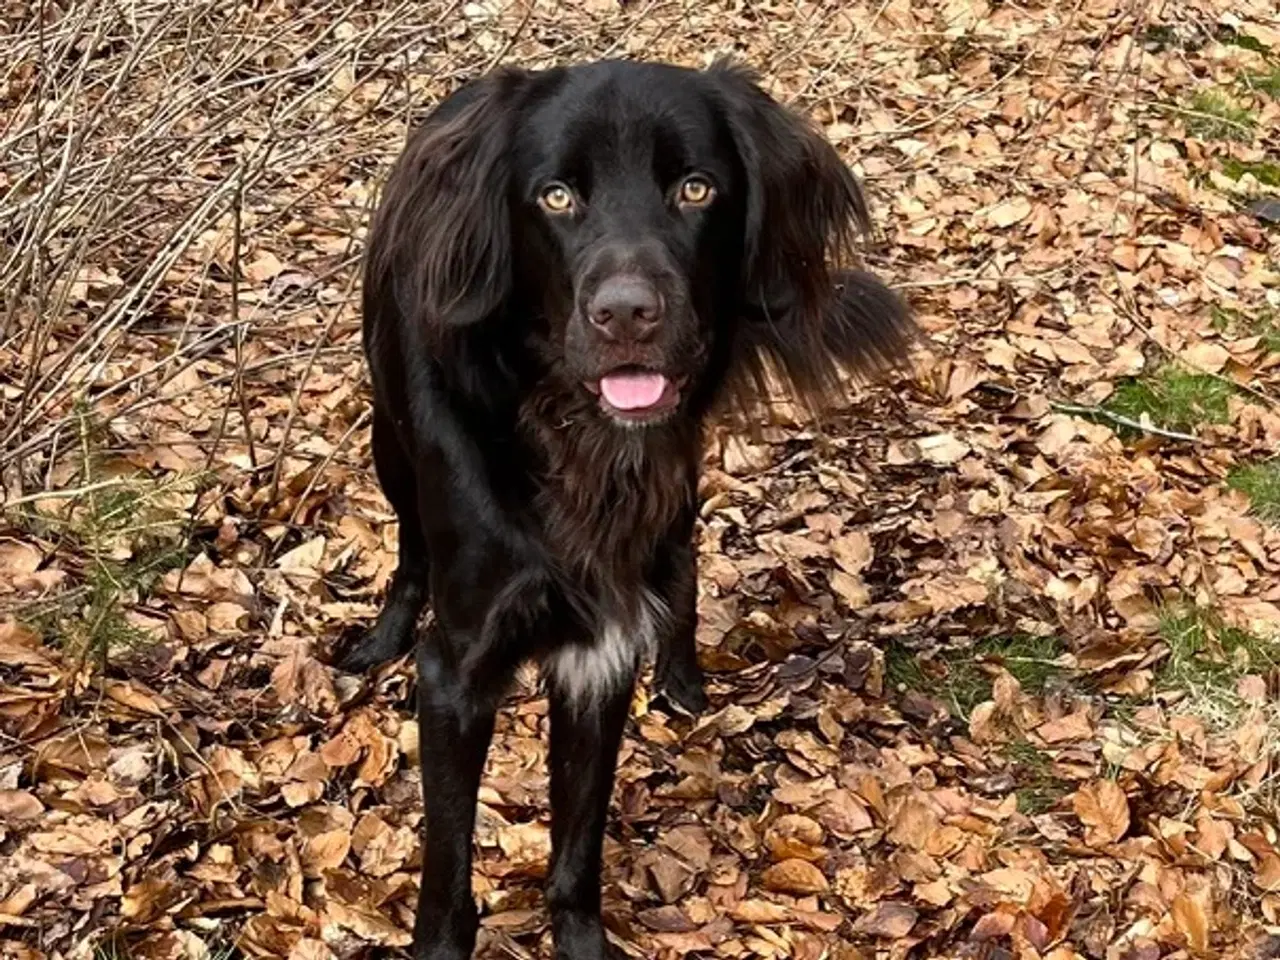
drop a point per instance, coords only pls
(994, 654)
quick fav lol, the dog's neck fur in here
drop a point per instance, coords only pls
(607, 495)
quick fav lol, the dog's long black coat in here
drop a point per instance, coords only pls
(569, 269)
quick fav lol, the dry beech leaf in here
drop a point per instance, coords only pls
(666, 919)
(263, 267)
(1074, 726)
(19, 805)
(18, 901)
(145, 900)
(888, 921)
(311, 949)
(795, 836)
(1212, 836)
(1267, 875)
(1104, 810)
(1060, 432)
(852, 590)
(1009, 212)
(853, 551)
(17, 561)
(794, 876)
(759, 911)
(844, 814)
(526, 845)
(325, 851)
(993, 926)
(943, 449)
(368, 924)
(1192, 922)
(1208, 356)
(135, 697)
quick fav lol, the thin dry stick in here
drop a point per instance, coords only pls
(954, 108)
(847, 50)
(324, 464)
(237, 381)
(271, 363)
(1032, 136)
(107, 198)
(240, 330)
(297, 394)
(1140, 20)
(278, 462)
(67, 493)
(1123, 421)
(119, 319)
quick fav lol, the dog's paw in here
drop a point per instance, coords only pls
(445, 934)
(581, 937)
(683, 689)
(367, 652)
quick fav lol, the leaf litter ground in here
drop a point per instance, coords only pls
(993, 654)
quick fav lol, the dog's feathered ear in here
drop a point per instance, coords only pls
(440, 243)
(804, 212)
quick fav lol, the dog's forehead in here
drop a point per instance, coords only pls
(625, 115)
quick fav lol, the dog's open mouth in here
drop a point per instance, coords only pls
(637, 393)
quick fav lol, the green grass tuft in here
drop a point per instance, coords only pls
(1245, 41)
(1032, 660)
(125, 533)
(1172, 398)
(116, 947)
(1264, 325)
(1212, 115)
(1038, 790)
(1260, 482)
(963, 678)
(1266, 172)
(1267, 82)
(1207, 658)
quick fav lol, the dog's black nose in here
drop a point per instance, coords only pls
(626, 307)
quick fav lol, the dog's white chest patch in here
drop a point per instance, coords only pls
(587, 673)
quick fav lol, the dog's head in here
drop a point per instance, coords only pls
(664, 232)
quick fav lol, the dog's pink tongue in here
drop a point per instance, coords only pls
(633, 390)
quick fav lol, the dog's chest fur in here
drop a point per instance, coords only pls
(608, 498)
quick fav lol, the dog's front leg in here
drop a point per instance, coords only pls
(455, 725)
(677, 675)
(585, 734)
(396, 630)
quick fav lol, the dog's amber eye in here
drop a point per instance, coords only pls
(696, 192)
(556, 199)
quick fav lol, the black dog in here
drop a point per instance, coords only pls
(568, 271)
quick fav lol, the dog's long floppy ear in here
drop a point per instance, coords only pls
(440, 243)
(804, 211)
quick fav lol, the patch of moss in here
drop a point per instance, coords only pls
(1206, 660)
(1260, 482)
(1212, 115)
(1267, 81)
(1264, 171)
(1264, 325)
(1173, 398)
(963, 678)
(1038, 790)
(1244, 41)
(125, 532)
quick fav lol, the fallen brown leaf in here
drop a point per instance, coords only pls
(888, 921)
(1104, 810)
(794, 876)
